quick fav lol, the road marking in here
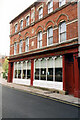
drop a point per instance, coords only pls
(43, 96)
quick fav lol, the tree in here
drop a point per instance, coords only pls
(5, 66)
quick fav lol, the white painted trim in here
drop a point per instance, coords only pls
(20, 20)
(44, 33)
(33, 37)
(47, 1)
(55, 28)
(16, 23)
(72, 22)
(41, 6)
(27, 15)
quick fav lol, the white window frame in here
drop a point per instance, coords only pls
(40, 12)
(62, 2)
(62, 32)
(48, 36)
(21, 24)
(27, 44)
(20, 46)
(38, 39)
(50, 9)
(15, 48)
(16, 27)
(27, 20)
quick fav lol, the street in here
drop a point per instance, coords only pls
(20, 104)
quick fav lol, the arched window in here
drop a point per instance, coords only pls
(50, 6)
(61, 2)
(15, 48)
(21, 24)
(27, 21)
(40, 13)
(16, 28)
(20, 46)
(50, 36)
(40, 39)
(62, 32)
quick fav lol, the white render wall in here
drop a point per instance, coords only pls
(48, 84)
(21, 81)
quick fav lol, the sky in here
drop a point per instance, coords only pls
(9, 9)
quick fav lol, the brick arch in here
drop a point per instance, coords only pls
(27, 34)
(39, 28)
(61, 18)
(49, 23)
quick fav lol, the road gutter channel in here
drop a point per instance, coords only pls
(44, 96)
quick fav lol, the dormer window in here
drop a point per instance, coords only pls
(16, 28)
(40, 13)
(50, 6)
(21, 25)
(61, 2)
(27, 21)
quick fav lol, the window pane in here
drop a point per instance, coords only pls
(62, 37)
(19, 73)
(28, 70)
(58, 74)
(37, 74)
(58, 69)
(24, 74)
(43, 74)
(50, 74)
(15, 73)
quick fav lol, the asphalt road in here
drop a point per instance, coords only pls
(19, 104)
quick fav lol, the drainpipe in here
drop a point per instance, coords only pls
(78, 10)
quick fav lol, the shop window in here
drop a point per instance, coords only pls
(40, 13)
(19, 70)
(27, 21)
(15, 70)
(50, 36)
(50, 69)
(50, 6)
(15, 48)
(62, 32)
(39, 39)
(24, 70)
(58, 69)
(28, 70)
(27, 45)
(43, 69)
(61, 2)
(37, 70)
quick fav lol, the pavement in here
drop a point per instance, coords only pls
(40, 92)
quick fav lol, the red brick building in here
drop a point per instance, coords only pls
(44, 47)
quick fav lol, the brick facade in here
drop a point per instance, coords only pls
(67, 13)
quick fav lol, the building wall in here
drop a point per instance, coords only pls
(67, 49)
(67, 13)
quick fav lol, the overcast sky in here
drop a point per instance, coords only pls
(8, 10)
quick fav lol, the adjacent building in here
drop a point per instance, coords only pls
(44, 46)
